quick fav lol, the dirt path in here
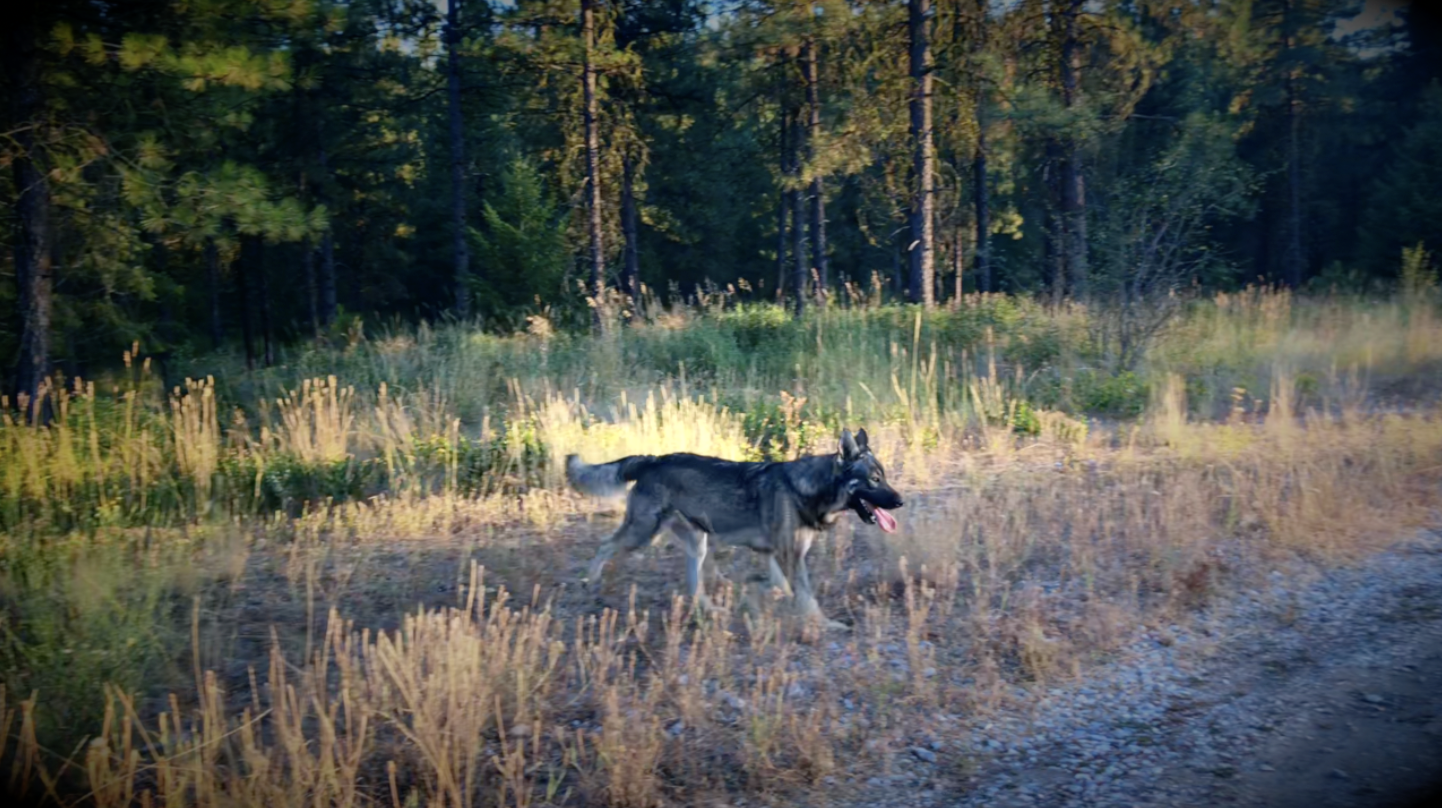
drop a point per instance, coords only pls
(1352, 700)
(1323, 689)
(1362, 735)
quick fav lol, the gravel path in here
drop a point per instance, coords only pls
(1323, 689)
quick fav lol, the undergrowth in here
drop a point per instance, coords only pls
(1057, 502)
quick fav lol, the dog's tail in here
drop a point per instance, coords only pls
(604, 479)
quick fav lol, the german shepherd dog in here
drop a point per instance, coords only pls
(775, 508)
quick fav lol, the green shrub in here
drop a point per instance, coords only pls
(1124, 395)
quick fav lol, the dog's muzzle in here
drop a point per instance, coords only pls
(873, 514)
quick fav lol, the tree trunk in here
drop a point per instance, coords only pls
(328, 305)
(460, 249)
(1055, 246)
(1073, 187)
(212, 277)
(818, 199)
(33, 261)
(958, 261)
(263, 275)
(1294, 194)
(631, 273)
(983, 214)
(593, 158)
(982, 196)
(1074, 212)
(242, 272)
(939, 293)
(312, 289)
(896, 279)
(922, 248)
(798, 229)
(783, 205)
(1056, 255)
(1292, 256)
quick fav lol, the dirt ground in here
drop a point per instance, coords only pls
(1350, 706)
(1362, 725)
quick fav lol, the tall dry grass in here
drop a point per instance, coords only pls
(1040, 563)
(1036, 541)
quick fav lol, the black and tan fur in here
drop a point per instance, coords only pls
(775, 508)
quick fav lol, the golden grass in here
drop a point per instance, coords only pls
(1021, 559)
(1029, 571)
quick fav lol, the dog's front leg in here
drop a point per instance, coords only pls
(778, 578)
(806, 604)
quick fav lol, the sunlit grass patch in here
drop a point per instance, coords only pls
(1056, 504)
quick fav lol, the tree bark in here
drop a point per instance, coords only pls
(958, 261)
(982, 195)
(312, 288)
(327, 280)
(263, 275)
(593, 158)
(242, 273)
(1292, 257)
(783, 204)
(1056, 255)
(212, 277)
(899, 267)
(1073, 183)
(33, 261)
(460, 248)
(631, 273)
(798, 208)
(1056, 241)
(818, 199)
(328, 305)
(923, 247)
(798, 228)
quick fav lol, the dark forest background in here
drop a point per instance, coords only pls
(250, 173)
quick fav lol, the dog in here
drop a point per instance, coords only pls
(775, 508)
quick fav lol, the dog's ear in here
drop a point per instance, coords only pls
(861, 440)
(848, 445)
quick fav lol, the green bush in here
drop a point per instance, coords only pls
(1124, 395)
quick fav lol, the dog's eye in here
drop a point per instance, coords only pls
(876, 479)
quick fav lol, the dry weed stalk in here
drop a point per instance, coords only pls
(196, 430)
(317, 421)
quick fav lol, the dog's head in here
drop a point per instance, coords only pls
(865, 482)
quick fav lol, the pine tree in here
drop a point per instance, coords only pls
(921, 283)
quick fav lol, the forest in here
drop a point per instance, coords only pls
(246, 174)
(305, 306)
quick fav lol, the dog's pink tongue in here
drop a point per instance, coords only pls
(885, 520)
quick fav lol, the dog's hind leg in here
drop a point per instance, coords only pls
(694, 543)
(643, 521)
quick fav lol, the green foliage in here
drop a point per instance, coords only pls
(77, 615)
(1418, 279)
(522, 253)
(761, 328)
(282, 482)
(299, 123)
(1124, 395)
(1405, 208)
